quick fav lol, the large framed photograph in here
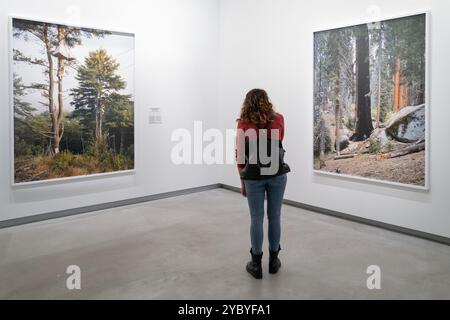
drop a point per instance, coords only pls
(370, 101)
(72, 102)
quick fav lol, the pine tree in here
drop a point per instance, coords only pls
(22, 109)
(98, 82)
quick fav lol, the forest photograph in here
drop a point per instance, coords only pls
(370, 101)
(73, 101)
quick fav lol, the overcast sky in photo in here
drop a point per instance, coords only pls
(119, 45)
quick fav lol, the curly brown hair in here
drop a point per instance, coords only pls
(257, 108)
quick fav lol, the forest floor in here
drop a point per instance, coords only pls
(408, 169)
(37, 168)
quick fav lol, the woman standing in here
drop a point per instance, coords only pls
(257, 116)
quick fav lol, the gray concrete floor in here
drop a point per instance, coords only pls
(196, 247)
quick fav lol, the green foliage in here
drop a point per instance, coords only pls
(33, 131)
(350, 123)
(99, 149)
(22, 148)
(386, 116)
(93, 162)
(97, 82)
(389, 146)
(119, 113)
(334, 65)
(32, 30)
(73, 140)
(405, 38)
(21, 109)
(108, 160)
(374, 146)
(119, 121)
(97, 104)
(328, 143)
(63, 160)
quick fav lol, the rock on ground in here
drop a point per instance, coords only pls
(408, 125)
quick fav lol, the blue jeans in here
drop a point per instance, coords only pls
(256, 191)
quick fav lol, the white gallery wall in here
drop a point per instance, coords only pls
(176, 52)
(269, 44)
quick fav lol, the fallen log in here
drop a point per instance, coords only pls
(344, 156)
(405, 151)
(420, 141)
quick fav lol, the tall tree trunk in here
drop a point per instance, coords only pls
(337, 104)
(122, 140)
(97, 124)
(322, 141)
(380, 58)
(401, 99)
(54, 149)
(406, 94)
(421, 97)
(100, 123)
(60, 75)
(410, 96)
(397, 84)
(337, 111)
(316, 73)
(355, 85)
(337, 114)
(364, 126)
(98, 120)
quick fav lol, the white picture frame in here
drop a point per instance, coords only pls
(62, 180)
(426, 187)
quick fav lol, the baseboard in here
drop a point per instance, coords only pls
(374, 223)
(102, 206)
(121, 203)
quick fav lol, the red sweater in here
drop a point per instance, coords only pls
(277, 123)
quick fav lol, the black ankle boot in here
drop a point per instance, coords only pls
(274, 262)
(254, 267)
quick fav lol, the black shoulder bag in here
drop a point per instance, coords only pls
(254, 168)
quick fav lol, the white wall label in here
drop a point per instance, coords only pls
(154, 116)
